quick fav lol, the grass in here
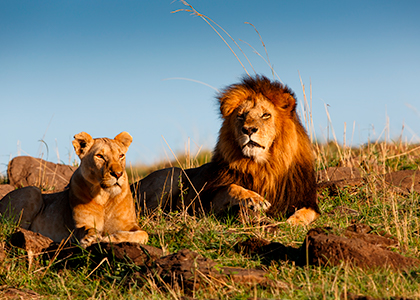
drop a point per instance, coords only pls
(374, 204)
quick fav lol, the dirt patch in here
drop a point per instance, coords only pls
(339, 174)
(335, 178)
(7, 292)
(29, 171)
(406, 181)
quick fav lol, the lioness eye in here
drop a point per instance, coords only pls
(266, 116)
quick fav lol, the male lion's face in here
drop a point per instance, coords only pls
(103, 160)
(255, 128)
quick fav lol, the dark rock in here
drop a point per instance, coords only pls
(361, 249)
(323, 246)
(140, 255)
(191, 271)
(362, 232)
(132, 253)
(29, 171)
(33, 243)
(268, 251)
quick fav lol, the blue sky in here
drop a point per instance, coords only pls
(106, 66)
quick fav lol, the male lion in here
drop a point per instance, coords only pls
(97, 206)
(263, 159)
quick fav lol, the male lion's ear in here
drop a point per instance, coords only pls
(124, 138)
(231, 98)
(82, 143)
(287, 102)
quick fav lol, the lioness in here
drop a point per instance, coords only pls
(263, 159)
(98, 206)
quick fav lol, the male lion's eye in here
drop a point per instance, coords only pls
(100, 156)
(266, 116)
(122, 156)
(240, 117)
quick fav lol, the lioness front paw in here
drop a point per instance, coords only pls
(88, 240)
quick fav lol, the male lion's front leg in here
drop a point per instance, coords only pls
(237, 195)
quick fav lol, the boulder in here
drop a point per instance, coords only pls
(29, 171)
(365, 250)
(5, 189)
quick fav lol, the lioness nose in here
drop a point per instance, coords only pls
(249, 130)
(116, 174)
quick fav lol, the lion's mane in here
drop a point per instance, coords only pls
(287, 177)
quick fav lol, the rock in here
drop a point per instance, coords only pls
(321, 247)
(29, 171)
(132, 253)
(405, 181)
(5, 189)
(324, 248)
(34, 243)
(191, 271)
(140, 255)
(362, 232)
(267, 251)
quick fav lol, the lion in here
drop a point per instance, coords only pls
(97, 206)
(262, 160)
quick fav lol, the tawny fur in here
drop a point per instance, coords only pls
(263, 159)
(98, 206)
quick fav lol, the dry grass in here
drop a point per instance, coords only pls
(374, 203)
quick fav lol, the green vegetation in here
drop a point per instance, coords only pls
(373, 203)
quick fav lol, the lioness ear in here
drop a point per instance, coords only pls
(124, 138)
(82, 143)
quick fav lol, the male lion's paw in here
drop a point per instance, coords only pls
(303, 216)
(256, 202)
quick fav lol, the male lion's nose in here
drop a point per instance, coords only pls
(249, 130)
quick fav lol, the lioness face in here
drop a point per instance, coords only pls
(255, 128)
(109, 167)
(103, 160)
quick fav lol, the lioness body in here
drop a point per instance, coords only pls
(263, 159)
(98, 206)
